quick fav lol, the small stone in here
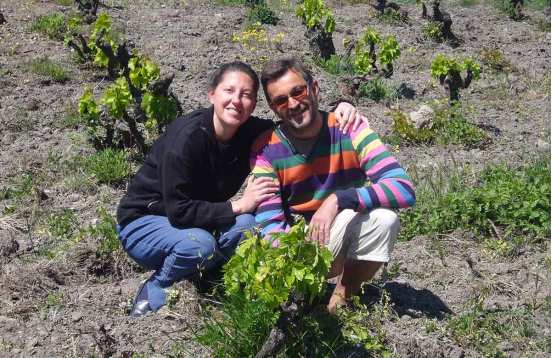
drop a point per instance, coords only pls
(423, 117)
(543, 146)
(32, 342)
(76, 316)
(43, 332)
(32, 105)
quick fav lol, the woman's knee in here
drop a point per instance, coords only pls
(245, 221)
(196, 244)
(230, 238)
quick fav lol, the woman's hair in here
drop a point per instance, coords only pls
(236, 66)
(276, 69)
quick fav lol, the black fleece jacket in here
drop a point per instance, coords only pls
(189, 176)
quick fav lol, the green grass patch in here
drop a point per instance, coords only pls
(484, 330)
(52, 25)
(108, 166)
(513, 201)
(60, 228)
(433, 30)
(375, 89)
(45, 67)
(449, 127)
(65, 2)
(263, 14)
(335, 65)
(62, 225)
(506, 6)
(71, 117)
(105, 232)
(538, 4)
(18, 188)
(238, 329)
(231, 2)
(467, 3)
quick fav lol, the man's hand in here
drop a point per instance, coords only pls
(321, 222)
(257, 191)
(348, 117)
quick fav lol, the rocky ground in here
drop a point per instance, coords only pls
(75, 302)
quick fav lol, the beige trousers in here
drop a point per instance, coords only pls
(368, 236)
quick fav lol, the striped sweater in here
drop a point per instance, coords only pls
(355, 166)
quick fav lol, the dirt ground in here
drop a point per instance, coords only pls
(76, 304)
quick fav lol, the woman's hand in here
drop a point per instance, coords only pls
(256, 191)
(348, 117)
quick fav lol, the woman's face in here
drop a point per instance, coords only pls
(233, 99)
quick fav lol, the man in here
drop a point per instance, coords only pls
(343, 184)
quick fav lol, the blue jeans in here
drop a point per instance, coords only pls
(177, 254)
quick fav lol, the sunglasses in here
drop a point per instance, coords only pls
(298, 94)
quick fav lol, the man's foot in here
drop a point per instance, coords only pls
(337, 300)
(141, 305)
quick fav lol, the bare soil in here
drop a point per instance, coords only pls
(77, 304)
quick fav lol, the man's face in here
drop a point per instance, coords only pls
(293, 101)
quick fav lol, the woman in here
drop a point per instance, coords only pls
(177, 217)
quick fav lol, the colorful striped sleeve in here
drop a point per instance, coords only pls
(270, 213)
(389, 187)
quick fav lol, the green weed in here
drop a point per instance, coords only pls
(61, 228)
(468, 3)
(108, 166)
(319, 334)
(507, 7)
(71, 117)
(494, 59)
(538, 4)
(335, 65)
(242, 325)
(375, 89)
(52, 25)
(104, 231)
(18, 189)
(433, 30)
(45, 67)
(263, 14)
(449, 127)
(514, 201)
(483, 330)
(65, 2)
(231, 2)
(53, 300)
(62, 225)
(239, 329)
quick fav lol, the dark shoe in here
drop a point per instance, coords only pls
(141, 304)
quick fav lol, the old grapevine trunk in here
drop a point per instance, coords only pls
(320, 42)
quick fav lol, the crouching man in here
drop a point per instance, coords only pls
(344, 185)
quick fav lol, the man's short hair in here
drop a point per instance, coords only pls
(276, 69)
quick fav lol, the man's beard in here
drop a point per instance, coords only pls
(297, 121)
(301, 127)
